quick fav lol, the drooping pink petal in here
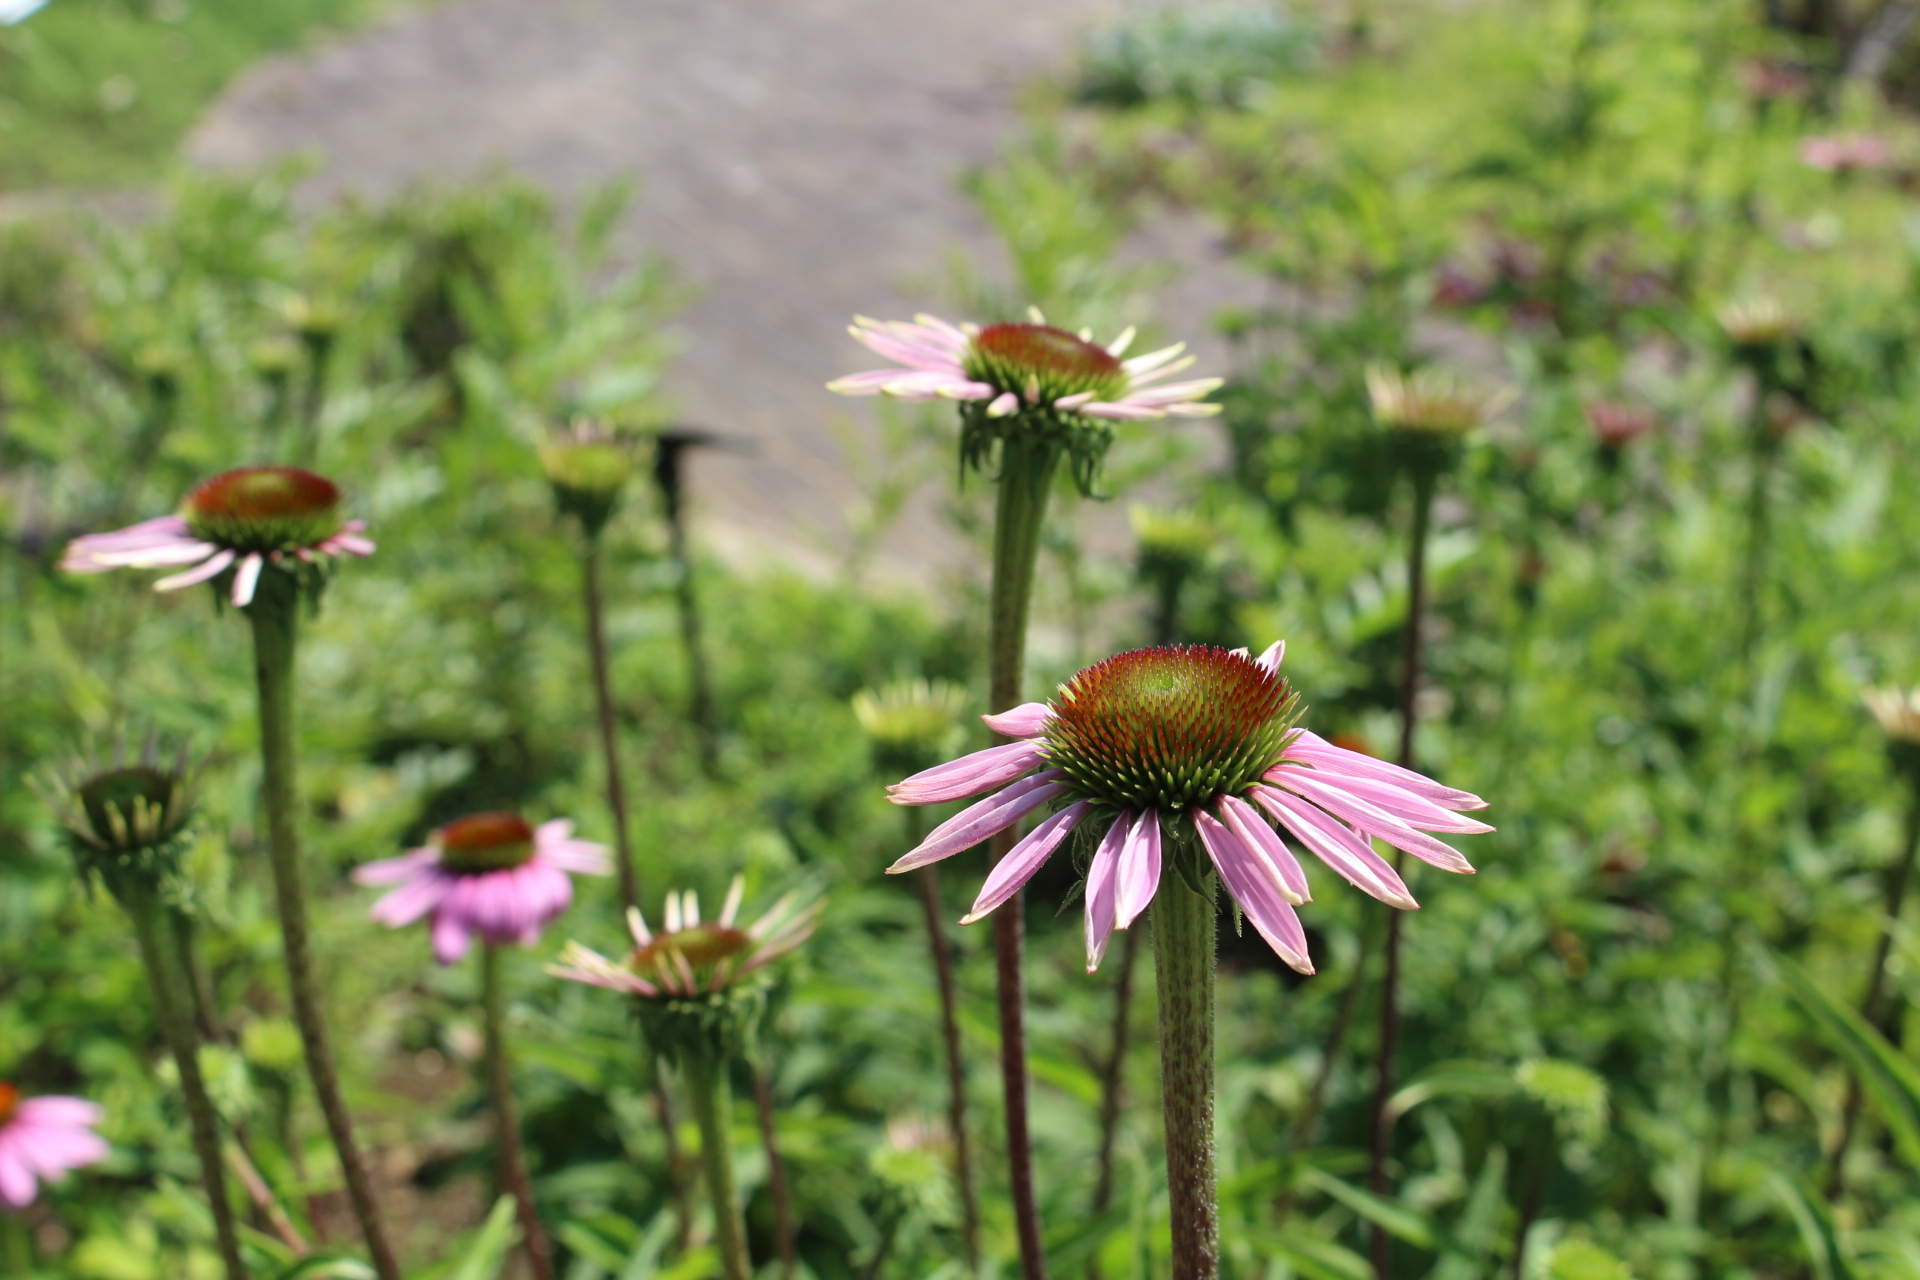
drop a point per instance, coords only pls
(1416, 811)
(1372, 821)
(1101, 877)
(980, 821)
(1339, 847)
(1254, 891)
(17, 1185)
(868, 382)
(1317, 751)
(967, 776)
(1028, 720)
(59, 1111)
(1003, 404)
(1120, 412)
(451, 938)
(208, 568)
(394, 870)
(1259, 838)
(914, 354)
(246, 578)
(414, 899)
(1025, 858)
(1138, 874)
(351, 543)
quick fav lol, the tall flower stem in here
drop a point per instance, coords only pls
(1112, 1082)
(609, 726)
(767, 1113)
(513, 1158)
(1874, 1006)
(275, 626)
(942, 953)
(1425, 480)
(1183, 952)
(704, 1067)
(668, 475)
(176, 1022)
(1761, 449)
(1026, 474)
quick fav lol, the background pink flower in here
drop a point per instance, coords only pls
(42, 1138)
(487, 873)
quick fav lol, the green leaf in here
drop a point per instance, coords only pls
(328, 1266)
(1816, 1227)
(1397, 1220)
(1457, 1078)
(1888, 1075)
(1313, 1256)
(488, 1250)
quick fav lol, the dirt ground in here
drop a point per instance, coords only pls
(796, 161)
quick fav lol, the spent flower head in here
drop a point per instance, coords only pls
(689, 957)
(1431, 400)
(126, 815)
(1028, 380)
(492, 874)
(233, 528)
(1761, 322)
(588, 468)
(1202, 749)
(911, 721)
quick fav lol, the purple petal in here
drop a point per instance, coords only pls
(17, 1185)
(246, 578)
(1274, 856)
(53, 1109)
(1028, 720)
(1100, 889)
(967, 776)
(450, 938)
(1372, 821)
(209, 568)
(1317, 751)
(394, 870)
(988, 817)
(1254, 891)
(412, 900)
(1014, 870)
(1337, 846)
(1401, 803)
(1138, 875)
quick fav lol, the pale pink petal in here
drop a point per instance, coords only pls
(246, 578)
(1003, 404)
(351, 543)
(394, 870)
(913, 354)
(1151, 360)
(1028, 720)
(1195, 409)
(969, 391)
(16, 1179)
(1120, 412)
(987, 818)
(1101, 875)
(870, 382)
(52, 1150)
(56, 1110)
(1274, 856)
(1175, 392)
(1137, 381)
(1254, 891)
(209, 568)
(953, 335)
(1138, 875)
(1270, 660)
(451, 938)
(1317, 751)
(1366, 818)
(412, 900)
(967, 776)
(1076, 400)
(1339, 847)
(1025, 858)
(580, 857)
(1399, 802)
(1118, 347)
(165, 556)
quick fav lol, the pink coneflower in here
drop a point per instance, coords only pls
(1845, 152)
(1616, 425)
(240, 522)
(1179, 740)
(690, 958)
(1030, 366)
(42, 1138)
(487, 873)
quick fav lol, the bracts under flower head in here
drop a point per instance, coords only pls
(1187, 741)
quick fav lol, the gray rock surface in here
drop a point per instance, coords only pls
(796, 161)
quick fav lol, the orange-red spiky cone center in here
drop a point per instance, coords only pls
(9, 1101)
(1046, 361)
(1169, 727)
(483, 842)
(264, 508)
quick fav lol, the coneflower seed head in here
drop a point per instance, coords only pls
(1040, 362)
(483, 842)
(1170, 727)
(264, 509)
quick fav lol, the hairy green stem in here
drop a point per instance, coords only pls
(513, 1159)
(275, 624)
(609, 726)
(768, 1115)
(1183, 954)
(1761, 450)
(1026, 474)
(1425, 480)
(150, 930)
(1112, 1083)
(705, 1069)
(929, 877)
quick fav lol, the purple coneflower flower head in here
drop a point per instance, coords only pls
(42, 1138)
(492, 874)
(1181, 742)
(689, 957)
(1845, 152)
(1617, 425)
(240, 523)
(1011, 367)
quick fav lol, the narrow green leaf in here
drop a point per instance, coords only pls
(489, 1247)
(1887, 1075)
(1816, 1227)
(1396, 1219)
